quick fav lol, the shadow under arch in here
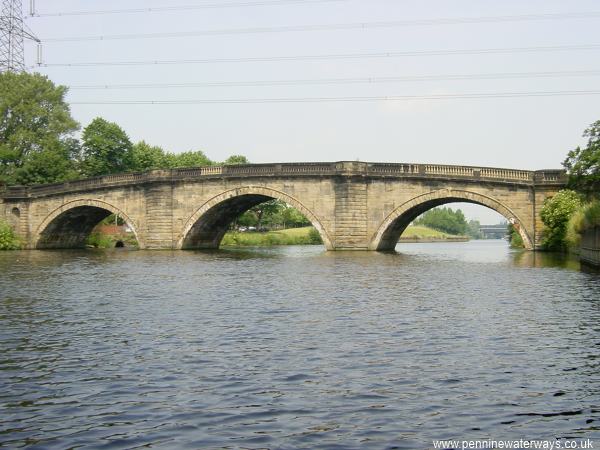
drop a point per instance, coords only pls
(207, 226)
(70, 225)
(395, 223)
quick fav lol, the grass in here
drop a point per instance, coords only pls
(310, 236)
(100, 240)
(290, 236)
(421, 232)
(584, 218)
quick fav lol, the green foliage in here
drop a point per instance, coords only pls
(444, 219)
(35, 125)
(267, 211)
(585, 217)
(556, 213)
(236, 159)
(144, 156)
(516, 241)
(591, 215)
(8, 239)
(37, 144)
(272, 214)
(420, 232)
(474, 229)
(106, 149)
(314, 236)
(47, 166)
(188, 159)
(583, 164)
(99, 240)
(295, 236)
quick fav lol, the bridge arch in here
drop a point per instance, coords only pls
(207, 226)
(387, 235)
(69, 225)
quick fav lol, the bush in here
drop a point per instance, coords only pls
(8, 238)
(516, 241)
(314, 237)
(556, 213)
(587, 216)
(290, 236)
(99, 240)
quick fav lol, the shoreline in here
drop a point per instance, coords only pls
(426, 240)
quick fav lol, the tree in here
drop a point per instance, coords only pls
(236, 159)
(291, 217)
(556, 213)
(106, 149)
(474, 229)
(189, 159)
(583, 164)
(51, 165)
(266, 210)
(35, 125)
(147, 157)
(444, 219)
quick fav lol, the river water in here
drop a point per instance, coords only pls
(294, 347)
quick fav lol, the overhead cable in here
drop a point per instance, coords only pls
(184, 7)
(334, 81)
(334, 27)
(328, 57)
(389, 98)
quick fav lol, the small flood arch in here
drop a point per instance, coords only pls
(387, 235)
(70, 225)
(207, 226)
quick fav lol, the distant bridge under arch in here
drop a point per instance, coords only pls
(353, 205)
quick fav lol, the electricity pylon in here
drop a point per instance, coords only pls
(13, 33)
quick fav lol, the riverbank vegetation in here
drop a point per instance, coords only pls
(514, 238)
(556, 213)
(310, 236)
(110, 233)
(586, 217)
(38, 143)
(450, 222)
(423, 233)
(291, 236)
(8, 238)
(568, 214)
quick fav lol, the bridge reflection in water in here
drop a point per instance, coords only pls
(353, 205)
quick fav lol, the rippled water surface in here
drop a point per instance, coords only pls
(296, 348)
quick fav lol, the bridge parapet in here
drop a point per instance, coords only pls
(343, 168)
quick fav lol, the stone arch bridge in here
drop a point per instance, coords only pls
(353, 205)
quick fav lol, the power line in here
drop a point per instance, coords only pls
(334, 27)
(329, 81)
(340, 99)
(186, 7)
(327, 57)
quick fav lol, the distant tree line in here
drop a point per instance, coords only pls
(38, 143)
(450, 221)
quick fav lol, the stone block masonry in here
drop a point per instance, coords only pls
(354, 205)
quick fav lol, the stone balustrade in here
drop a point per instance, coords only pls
(349, 168)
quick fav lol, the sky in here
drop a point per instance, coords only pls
(527, 132)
